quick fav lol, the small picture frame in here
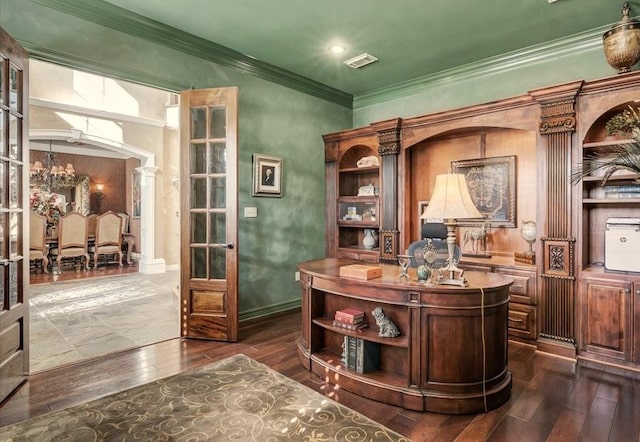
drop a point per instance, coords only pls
(267, 175)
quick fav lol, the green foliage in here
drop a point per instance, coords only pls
(619, 157)
(624, 122)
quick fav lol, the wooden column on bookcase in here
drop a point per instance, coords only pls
(331, 196)
(389, 148)
(557, 125)
(416, 342)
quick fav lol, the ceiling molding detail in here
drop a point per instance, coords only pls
(574, 44)
(99, 68)
(104, 115)
(119, 19)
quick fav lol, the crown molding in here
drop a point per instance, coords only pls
(119, 19)
(574, 44)
(99, 68)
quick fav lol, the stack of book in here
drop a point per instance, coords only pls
(360, 355)
(620, 192)
(525, 257)
(350, 319)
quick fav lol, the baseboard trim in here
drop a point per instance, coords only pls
(557, 348)
(268, 312)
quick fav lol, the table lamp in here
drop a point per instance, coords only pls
(450, 201)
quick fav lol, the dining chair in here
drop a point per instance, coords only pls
(38, 247)
(108, 237)
(72, 239)
(127, 239)
(91, 224)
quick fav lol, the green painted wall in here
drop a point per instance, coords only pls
(493, 81)
(273, 120)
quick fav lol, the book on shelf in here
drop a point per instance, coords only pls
(630, 188)
(622, 195)
(367, 356)
(348, 326)
(525, 257)
(349, 315)
(360, 355)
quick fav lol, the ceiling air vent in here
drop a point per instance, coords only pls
(360, 60)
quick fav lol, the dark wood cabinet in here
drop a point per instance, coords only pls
(608, 318)
(523, 302)
(450, 356)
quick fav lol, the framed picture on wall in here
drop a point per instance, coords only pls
(492, 186)
(135, 194)
(267, 175)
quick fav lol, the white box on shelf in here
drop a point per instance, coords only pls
(621, 244)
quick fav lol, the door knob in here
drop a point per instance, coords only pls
(225, 246)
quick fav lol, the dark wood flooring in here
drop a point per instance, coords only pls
(553, 399)
(71, 274)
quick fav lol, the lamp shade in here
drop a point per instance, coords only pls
(451, 199)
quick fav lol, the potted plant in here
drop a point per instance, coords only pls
(626, 122)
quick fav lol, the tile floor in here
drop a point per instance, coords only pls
(75, 320)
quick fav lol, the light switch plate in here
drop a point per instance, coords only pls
(250, 212)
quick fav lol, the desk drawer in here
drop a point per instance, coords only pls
(523, 289)
(360, 255)
(522, 320)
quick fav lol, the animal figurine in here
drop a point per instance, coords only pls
(476, 236)
(386, 327)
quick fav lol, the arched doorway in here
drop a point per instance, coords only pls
(73, 139)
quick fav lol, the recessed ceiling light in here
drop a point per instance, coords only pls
(337, 48)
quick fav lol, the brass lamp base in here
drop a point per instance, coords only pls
(451, 276)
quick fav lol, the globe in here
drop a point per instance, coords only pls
(528, 233)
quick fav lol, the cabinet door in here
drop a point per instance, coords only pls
(607, 313)
(636, 322)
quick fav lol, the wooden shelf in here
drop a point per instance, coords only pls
(332, 361)
(368, 334)
(358, 199)
(360, 248)
(611, 201)
(621, 177)
(363, 224)
(600, 271)
(372, 169)
(608, 143)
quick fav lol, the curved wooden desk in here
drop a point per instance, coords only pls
(442, 361)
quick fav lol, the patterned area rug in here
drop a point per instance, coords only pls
(236, 399)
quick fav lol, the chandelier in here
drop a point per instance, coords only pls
(50, 176)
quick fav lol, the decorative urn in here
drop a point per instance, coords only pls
(528, 233)
(622, 42)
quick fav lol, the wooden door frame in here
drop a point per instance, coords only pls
(14, 319)
(209, 306)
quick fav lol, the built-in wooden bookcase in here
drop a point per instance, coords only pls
(357, 212)
(608, 301)
(350, 212)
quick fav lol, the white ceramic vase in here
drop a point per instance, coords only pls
(370, 240)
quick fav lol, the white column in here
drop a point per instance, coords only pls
(148, 262)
